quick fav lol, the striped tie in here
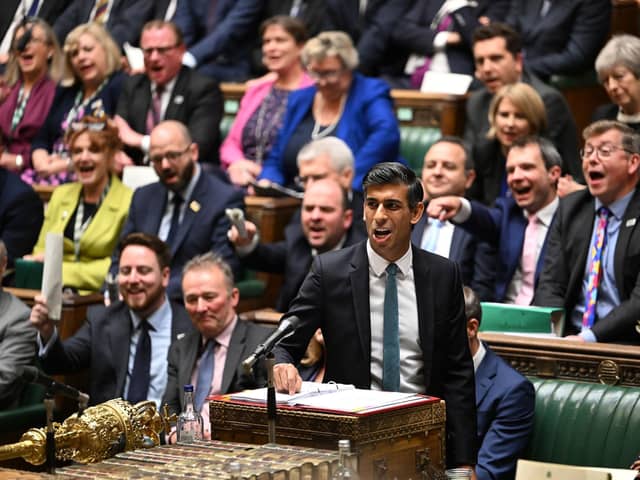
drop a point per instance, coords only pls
(101, 11)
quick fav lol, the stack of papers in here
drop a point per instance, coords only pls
(334, 397)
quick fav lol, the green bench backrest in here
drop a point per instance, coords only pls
(586, 424)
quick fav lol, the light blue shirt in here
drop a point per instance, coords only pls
(608, 296)
(160, 336)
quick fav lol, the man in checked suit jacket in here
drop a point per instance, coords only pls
(106, 343)
(211, 299)
(611, 162)
(124, 22)
(344, 295)
(188, 97)
(200, 223)
(448, 170)
(325, 224)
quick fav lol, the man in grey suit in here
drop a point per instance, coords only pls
(210, 357)
(125, 345)
(17, 340)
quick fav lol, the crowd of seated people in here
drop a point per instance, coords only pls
(77, 117)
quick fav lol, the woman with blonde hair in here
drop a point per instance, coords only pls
(91, 211)
(91, 85)
(33, 69)
(516, 111)
(343, 104)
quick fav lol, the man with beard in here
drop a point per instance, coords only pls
(186, 208)
(125, 345)
(518, 224)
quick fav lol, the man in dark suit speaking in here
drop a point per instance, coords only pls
(125, 346)
(392, 315)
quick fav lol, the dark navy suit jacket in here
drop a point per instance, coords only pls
(476, 260)
(203, 228)
(505, 402)
(125, 21)
(21, 215)
(566, 40)
(503, 227)
(220, 41)
(415, 34)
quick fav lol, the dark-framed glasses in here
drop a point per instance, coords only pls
(602, 152)
(171, 156)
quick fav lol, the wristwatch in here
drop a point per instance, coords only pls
(19, 162)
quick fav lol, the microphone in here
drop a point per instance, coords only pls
(285, 328)
(33, 375)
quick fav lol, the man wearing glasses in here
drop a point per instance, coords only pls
(186, 207)
(593, 252)
(168, 91)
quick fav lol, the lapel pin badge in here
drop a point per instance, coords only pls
(178, 100)
(630, 223)
(195, 206)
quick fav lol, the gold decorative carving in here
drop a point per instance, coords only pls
(608, 372)
(99, 433)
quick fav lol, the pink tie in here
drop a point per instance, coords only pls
(155, 110)
(528, 262)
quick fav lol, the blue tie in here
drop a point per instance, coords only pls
(430, 243)
(33, 9)
(391, 342)
(175, 219)
(205, 374)
(140, 375)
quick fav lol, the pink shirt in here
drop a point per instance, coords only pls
(220, 357)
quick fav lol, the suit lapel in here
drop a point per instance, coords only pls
(359, 278)
(485, 376)
(119, 339)
(234, 355)
(456, 251)
(191, 210)
(629, 224)
(191, 348)
(426, 312)
(584, 226)
(176, 101)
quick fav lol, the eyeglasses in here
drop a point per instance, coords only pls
(91, 126)
(327, 75)
(170, 156)
(160, 50)
(602, 152)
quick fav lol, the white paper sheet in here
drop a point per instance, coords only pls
(52, 274)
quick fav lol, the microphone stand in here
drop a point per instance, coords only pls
(271, 399)
(50, 446)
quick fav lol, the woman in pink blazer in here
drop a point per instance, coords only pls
(263, 105)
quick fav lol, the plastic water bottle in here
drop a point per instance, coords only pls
(344, 469)
(190, 425)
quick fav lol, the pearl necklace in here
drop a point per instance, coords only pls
(316, 133)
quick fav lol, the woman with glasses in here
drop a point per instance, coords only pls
(342, 103)
(90, 86)
(91, 211)
(618, 68)
(262, 107)
(33, 69)
(516, 111)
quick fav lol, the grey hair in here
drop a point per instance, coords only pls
(210, 260)
(328, 44)
(620, 50)
(337, 150)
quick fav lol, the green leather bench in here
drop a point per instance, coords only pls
(585, 424)
(31, 413)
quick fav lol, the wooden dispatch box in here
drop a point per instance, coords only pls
(402, 442)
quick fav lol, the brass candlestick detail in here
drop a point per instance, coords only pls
(99, 433)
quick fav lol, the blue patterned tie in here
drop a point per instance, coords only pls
(205, 374)
(595, 267)
(391, 342)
